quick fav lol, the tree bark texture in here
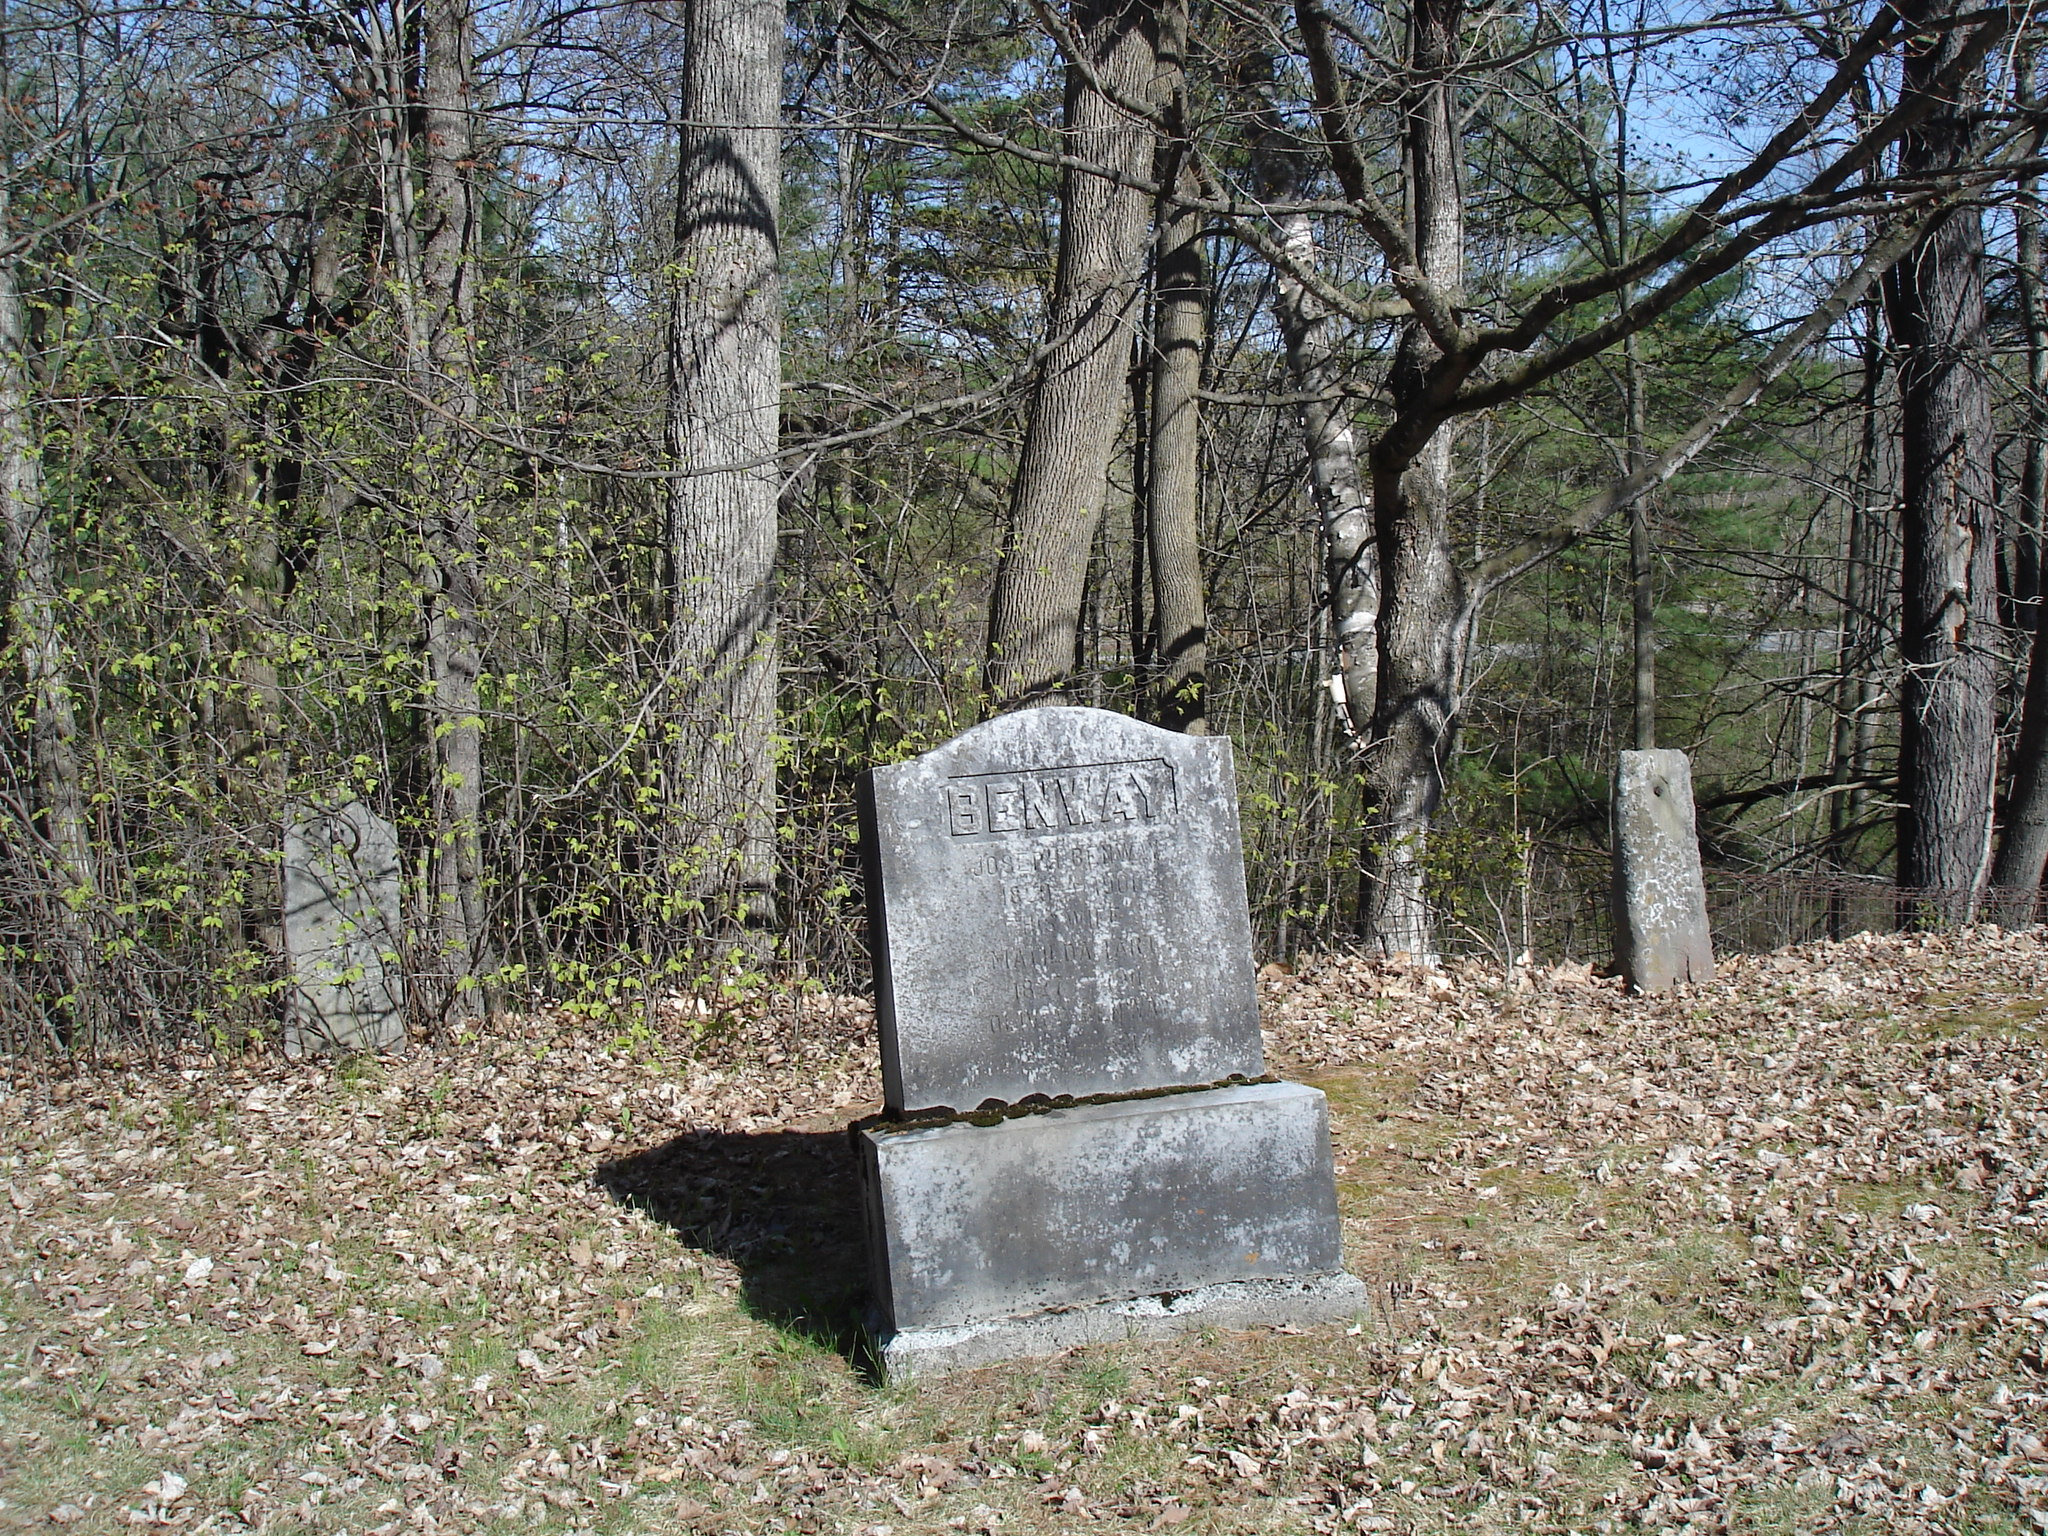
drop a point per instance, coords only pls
(724, 386)
(448, 499)
(1422, 624)
(1077, 398)
(2030, 581)
(1173, 487)
(1642, 561)
(2023, 844)
(35, 634)
(1948, 629)
(2023, 850)
(2031, 538)
(1351, 562)
(1861, 638)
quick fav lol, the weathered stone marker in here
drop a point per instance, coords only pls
(1057, 912)
(1661, 936)
(342, 931)
(1056, 906)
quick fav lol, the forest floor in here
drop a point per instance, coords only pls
(1769, 1255)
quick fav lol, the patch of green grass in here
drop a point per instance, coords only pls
(480, 1355)
(1950, 1017)
(1102, 1378)
(1800, 1506)
(360, 1072)
(1884, 1200)
(182, 1113)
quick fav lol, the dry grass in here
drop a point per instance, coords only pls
(1768, 1256)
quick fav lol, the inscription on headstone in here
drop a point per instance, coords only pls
(342, 931)
(1661, 937)
(1058, 907)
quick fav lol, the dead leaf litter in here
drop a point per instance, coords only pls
(1761, 1255)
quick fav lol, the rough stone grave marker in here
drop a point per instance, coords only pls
(342, 931)
(1057, 912)
(1661, 937)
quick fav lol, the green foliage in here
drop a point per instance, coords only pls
(249, 478)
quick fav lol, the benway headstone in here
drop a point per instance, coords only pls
(342, 931)
(1056, 906)
(1661, 937)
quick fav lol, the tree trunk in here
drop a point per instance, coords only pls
(724, 389)
(1859, 639)
(1948, 639)
(448, 500)
(1351, 563)
(1173, 487)
(1422, 626)
(249, 768)
(1077, 399)
(1642, 567)
(36, 634)
(2023, 846)
(2030, 584)
(2023, 850)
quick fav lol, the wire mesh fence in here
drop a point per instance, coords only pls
(1559, 909)
(1758, 911)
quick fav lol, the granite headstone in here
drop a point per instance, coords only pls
(1057, 913)
(342, 931)
(1661, 937)
(1057, 907)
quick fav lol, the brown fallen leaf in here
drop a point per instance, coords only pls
(1886, 1077)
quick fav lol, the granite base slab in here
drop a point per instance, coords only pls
(1099, 1204)
(1229, 1304)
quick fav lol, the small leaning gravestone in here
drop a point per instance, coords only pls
(342, 931)
(1661, 936)
(1057, 914)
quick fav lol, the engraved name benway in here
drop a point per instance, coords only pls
(1108, 795)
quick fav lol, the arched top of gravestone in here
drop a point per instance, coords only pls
(1057, 906)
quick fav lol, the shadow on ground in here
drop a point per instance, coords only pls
(782, 1206)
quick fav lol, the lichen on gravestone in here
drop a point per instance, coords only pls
(1058, 906)
(343, 931)
(1659, 897)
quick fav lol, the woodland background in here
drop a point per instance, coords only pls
(593, 433)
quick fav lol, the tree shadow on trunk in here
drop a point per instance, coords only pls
(783, 1206)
